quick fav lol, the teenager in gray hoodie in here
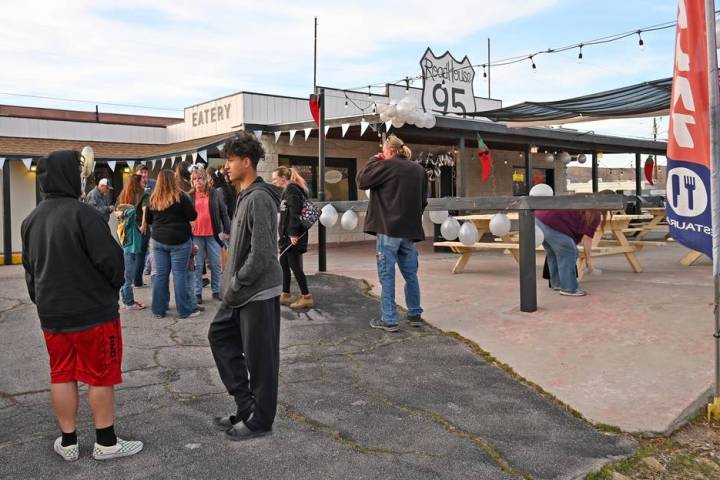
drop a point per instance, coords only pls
(245, 333)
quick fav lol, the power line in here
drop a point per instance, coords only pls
(93, 102)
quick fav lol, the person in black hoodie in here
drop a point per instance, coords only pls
(73, 270)
(293, 241)
(397, 200)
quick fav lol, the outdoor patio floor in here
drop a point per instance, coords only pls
(636, 353)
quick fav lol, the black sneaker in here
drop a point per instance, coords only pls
(415, 320)
(240, 432)
(377, 323)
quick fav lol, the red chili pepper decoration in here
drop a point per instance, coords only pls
(483, 153)
(315, 108)
(649, 167)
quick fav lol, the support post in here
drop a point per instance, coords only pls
(462, 171)
(638, 182)
(528, 169)
(528, 281)
(322, 242)
(7, 215)
(594, 172)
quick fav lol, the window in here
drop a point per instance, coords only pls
(540, 175)
(339, 175)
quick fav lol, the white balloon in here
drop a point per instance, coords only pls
(381, 108)
(404, 108)
(541, 190)
(581, 158)
(549, 158)
(468, 234)
(564, 157)
(413, 118)
(398, 122)
(438, 216)
(383, 117)
(539, 236)
(391, 111)
(500, 225)
(431, 120)
(328, 215)
(349, 220)
(450, 228)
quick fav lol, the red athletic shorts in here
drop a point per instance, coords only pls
(91, 356)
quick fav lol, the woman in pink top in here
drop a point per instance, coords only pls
(210, 230)
(563, 230)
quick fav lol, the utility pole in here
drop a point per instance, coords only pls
(655, 132)
(488, 68)
(315, 60)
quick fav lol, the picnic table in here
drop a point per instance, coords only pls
(652, 221)
(608, 241)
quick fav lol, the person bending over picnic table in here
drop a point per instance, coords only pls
(563, 231)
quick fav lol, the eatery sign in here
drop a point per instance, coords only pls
(447, 84)
(688, 152)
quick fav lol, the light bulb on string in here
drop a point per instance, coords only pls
(641, 43)
(580, 56)
(374, 108)
(369, 92)
(533, 63)
(407, 84)
(484, 72)
(346, 104)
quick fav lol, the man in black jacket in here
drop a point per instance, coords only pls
(73, 270)
(397, 200)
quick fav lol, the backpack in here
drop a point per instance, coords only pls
(309, 214)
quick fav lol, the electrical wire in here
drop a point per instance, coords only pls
(90, 102)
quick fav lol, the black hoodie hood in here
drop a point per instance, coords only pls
(59, 174)
(260, 184)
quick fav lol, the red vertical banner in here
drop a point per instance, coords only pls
(688, 154)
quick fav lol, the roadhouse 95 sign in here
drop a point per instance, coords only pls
(447, 84)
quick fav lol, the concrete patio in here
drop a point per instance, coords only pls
(637, 353)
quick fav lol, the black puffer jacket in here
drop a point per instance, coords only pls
(291, 205)
(73, 265)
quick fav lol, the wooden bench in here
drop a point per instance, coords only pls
(465, 251)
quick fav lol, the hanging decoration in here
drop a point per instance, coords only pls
(344, 128)
(277, 136)
(27, 162)
(483, 153)
(292, 135)
(388, 124)
(649, 168)
(406, 110)
(221, 147)
(327, 129)
(258, 134)
(307, 133)
(111, 164)
(203, 154)
(363, 126)
(2, 162)
(131, 164)
(194, 157)
(315, 108)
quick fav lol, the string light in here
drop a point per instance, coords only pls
(533, 62)
(580, 57)
(369, 92)
(407, 84)
(484, 72)
(640, 40)
(346, 104)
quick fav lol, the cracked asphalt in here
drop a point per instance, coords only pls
(353, 403)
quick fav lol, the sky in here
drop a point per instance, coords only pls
(173, 54)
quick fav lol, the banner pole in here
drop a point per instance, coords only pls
(712, 84)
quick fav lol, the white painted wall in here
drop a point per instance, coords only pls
(64, 130)
(22, 189)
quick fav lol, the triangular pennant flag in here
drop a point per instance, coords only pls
(162, 162)
(307, 133)
(203, 154)
(154, 163)
(327, 129)
(344, 127)
(27, 162)
(277, 136)
(258, 134)
(388, 124)
(292, 135)
(363, 126)
(2, 162)
(194, 156)
(111, 164)
(221, 147)
(131, 164)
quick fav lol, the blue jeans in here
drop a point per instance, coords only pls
(562, 254)
(400, 251)
(169, 258)
(126, 291)
(212, 247)
(140, 260)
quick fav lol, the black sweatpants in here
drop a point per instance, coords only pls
(292, 260)
(245, 342)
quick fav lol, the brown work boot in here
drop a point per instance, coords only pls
(285, 299)
(305, 301)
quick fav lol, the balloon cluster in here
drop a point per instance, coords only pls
(405, 111)
(329, 217)
(468, 233)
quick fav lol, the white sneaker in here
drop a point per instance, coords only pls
(69, 453)
(123, 448)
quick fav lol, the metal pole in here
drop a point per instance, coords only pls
(315, 60)
(488, 68)
(594, 172)
(462, 171)
(638, 182)
(528, 285)
(714, 175)
(322, 244)
(7, 215)
(528, 169)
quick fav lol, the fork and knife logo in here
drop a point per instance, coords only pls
(686, 192)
